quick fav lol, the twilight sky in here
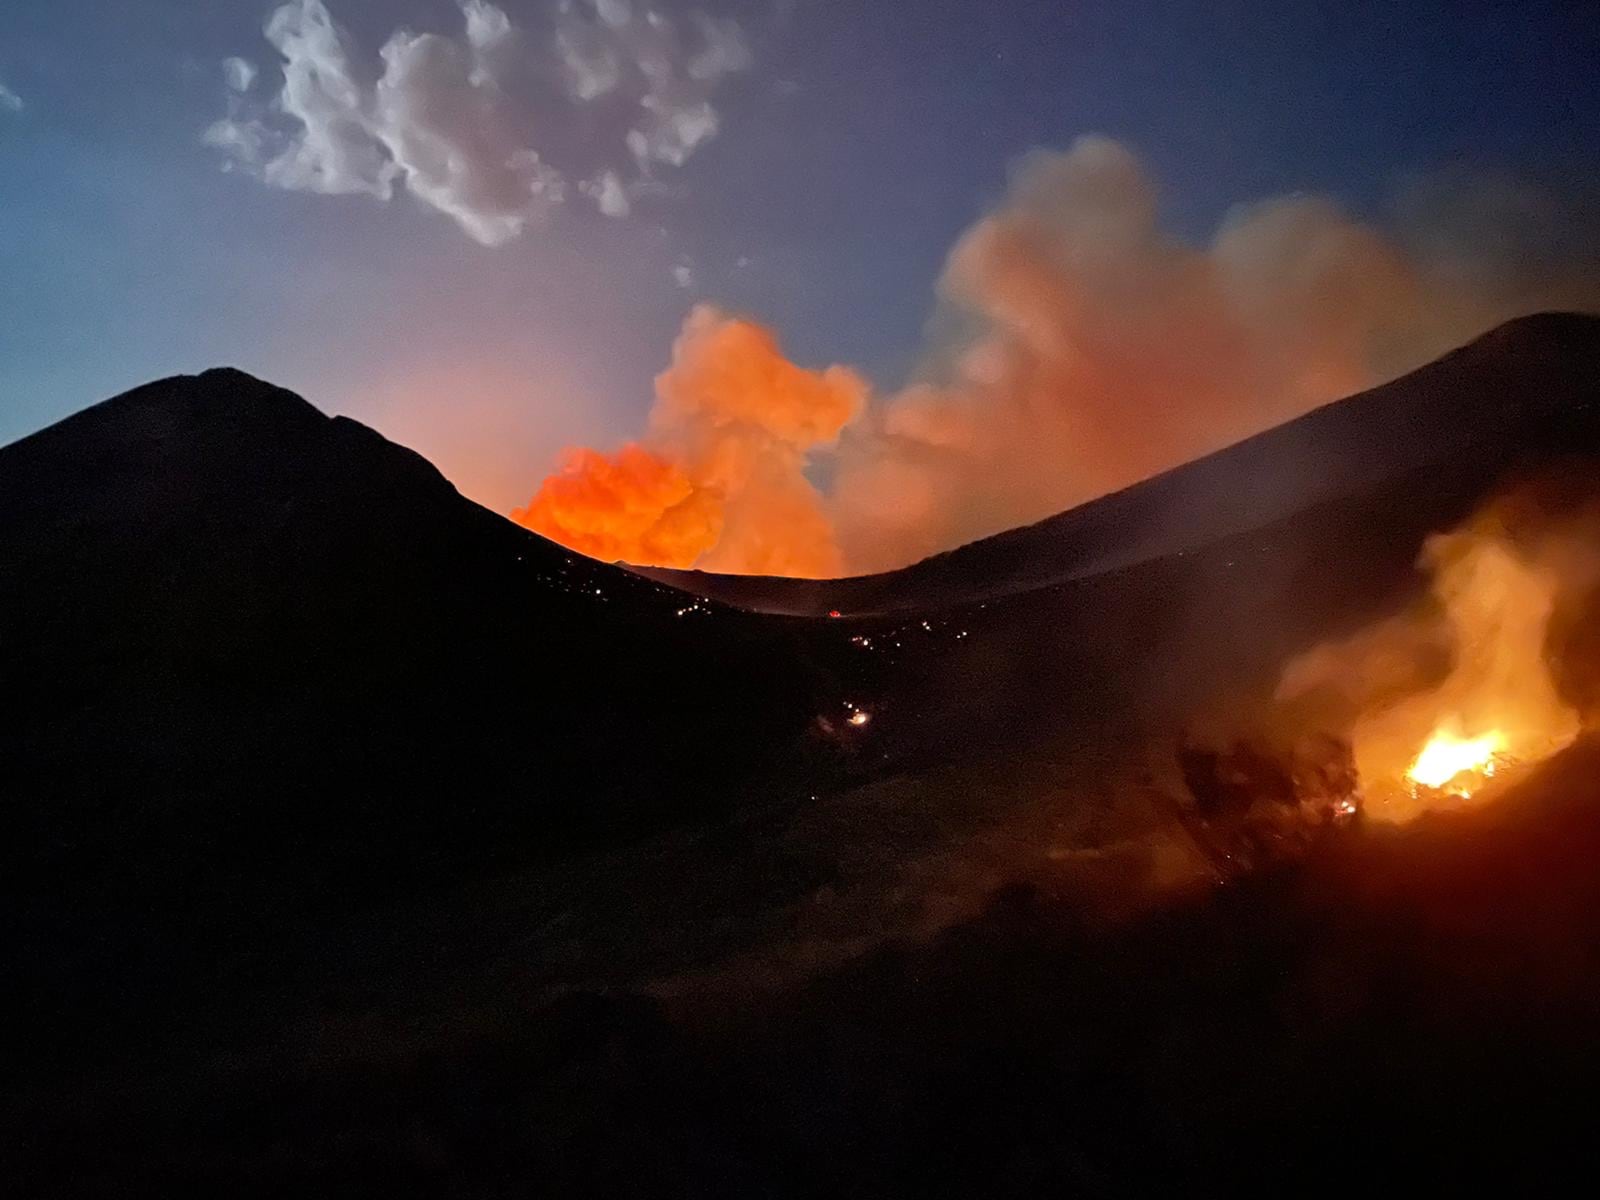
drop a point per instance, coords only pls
(377, 237)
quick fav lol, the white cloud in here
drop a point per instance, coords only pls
(608, 193)
(589, 57)
(9, 100)
(669, 75)
(239, 73)
(240, 141)
(452, 121)
(338, 148)
(487, 26)
(451, 140)
(723, 50)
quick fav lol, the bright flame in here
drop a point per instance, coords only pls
(1448, 756)
(1493, 598)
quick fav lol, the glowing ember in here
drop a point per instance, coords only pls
(859, 718)
(1446, 757)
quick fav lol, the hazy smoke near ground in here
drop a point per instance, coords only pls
(1077, 347)
(1485, 658)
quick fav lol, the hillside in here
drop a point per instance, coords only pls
(354, 833)
(260, 658)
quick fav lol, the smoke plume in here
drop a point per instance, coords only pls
(1077, 348)
(720, 480)
(1483, 659)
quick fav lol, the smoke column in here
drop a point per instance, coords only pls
(1076, 348)
(720, 479)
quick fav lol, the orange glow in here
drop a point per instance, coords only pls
(1425, 741)
(1448, 758)
(634, 505)
(720, 482)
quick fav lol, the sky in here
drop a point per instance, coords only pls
(492, 261)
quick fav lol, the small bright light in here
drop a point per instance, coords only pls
(859, 718)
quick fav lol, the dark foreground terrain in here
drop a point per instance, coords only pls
(357, 840)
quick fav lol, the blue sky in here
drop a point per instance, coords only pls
(854, 142)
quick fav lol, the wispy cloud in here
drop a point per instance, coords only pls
(461, 121)
(9, 100)
(239, 72)
(668, 73)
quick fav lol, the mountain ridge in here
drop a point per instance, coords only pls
(1314, 457)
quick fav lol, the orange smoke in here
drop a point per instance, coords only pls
(635, 506)
(1077, 347)
(720, 482)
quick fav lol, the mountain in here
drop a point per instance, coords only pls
(355, 838)
(1524, 373)
(258, 657)
(252, 642)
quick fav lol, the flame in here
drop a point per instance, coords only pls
(1425, 741)
(1447, 757)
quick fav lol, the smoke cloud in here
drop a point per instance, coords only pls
(1078, 348)
(458, 121)
(1091, 350)
(720, 479)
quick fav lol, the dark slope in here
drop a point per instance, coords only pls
(255, 655)
(251, 639)
(1513, 377)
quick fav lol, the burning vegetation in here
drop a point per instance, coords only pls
(1444, 700)
(1441, 707)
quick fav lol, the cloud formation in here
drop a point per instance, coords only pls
(239, 73)
(666, 76)
(9, 100)
(455, 120)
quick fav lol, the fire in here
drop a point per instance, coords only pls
(1425, 739)
(1448, 757)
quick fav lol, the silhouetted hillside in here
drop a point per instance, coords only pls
(256, 655)
(1508, 381)
(356, 837)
